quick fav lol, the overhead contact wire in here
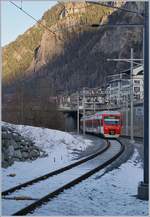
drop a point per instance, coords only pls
(80, 25)
(25, 12)
(115, 7)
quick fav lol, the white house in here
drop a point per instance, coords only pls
(119, 86)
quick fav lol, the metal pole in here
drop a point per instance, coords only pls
(78, 112)
(94, 105)
(83, 111)
(146, 94)
(127, 122)
(143, 187)
(120, 91)
(131, 98)
(143, 45)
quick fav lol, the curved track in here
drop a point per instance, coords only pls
(64, 178)
(56, 172)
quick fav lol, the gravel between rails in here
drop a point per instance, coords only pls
(91, 167)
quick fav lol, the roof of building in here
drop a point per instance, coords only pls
(136, 71)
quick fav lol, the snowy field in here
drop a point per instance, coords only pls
(113, 194)
(60, 146)
(110, 194)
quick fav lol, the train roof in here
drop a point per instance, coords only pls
(97, 114)
(108, 112)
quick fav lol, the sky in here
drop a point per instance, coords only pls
(14, 22)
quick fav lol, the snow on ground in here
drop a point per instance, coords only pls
(112, 194)
(59, 145)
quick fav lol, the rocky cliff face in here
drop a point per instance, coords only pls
(70, 55)
(72, 23)
(76, 54)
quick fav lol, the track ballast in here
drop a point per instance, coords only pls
(70, 176)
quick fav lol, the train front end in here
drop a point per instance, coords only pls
(112, 125)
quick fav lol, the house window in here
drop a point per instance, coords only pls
(137, 97)
(136, 89)
(136, 81)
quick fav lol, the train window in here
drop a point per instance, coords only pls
(112, 120)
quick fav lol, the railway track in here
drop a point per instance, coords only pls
(56, 172)
(59, 180)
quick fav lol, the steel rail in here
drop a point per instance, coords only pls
(30, 208)
(56, 172)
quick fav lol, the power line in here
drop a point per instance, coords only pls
(80, 25)
(118, 24)
(25, 12)
(100, 25)
(103, 25)
(115, 7)
(90, 4)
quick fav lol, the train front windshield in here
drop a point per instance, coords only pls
(112, 120)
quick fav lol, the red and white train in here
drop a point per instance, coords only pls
(105, 123)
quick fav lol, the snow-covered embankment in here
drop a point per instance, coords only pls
(59, 146)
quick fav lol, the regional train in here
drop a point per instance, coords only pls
(105, 123)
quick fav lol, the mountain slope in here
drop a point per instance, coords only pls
(76, 51)
(18, 55)
(40, 65)
(79, 57)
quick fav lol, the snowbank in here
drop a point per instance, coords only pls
(60, 146)
(47, 139)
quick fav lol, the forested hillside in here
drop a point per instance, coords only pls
(40, 64)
